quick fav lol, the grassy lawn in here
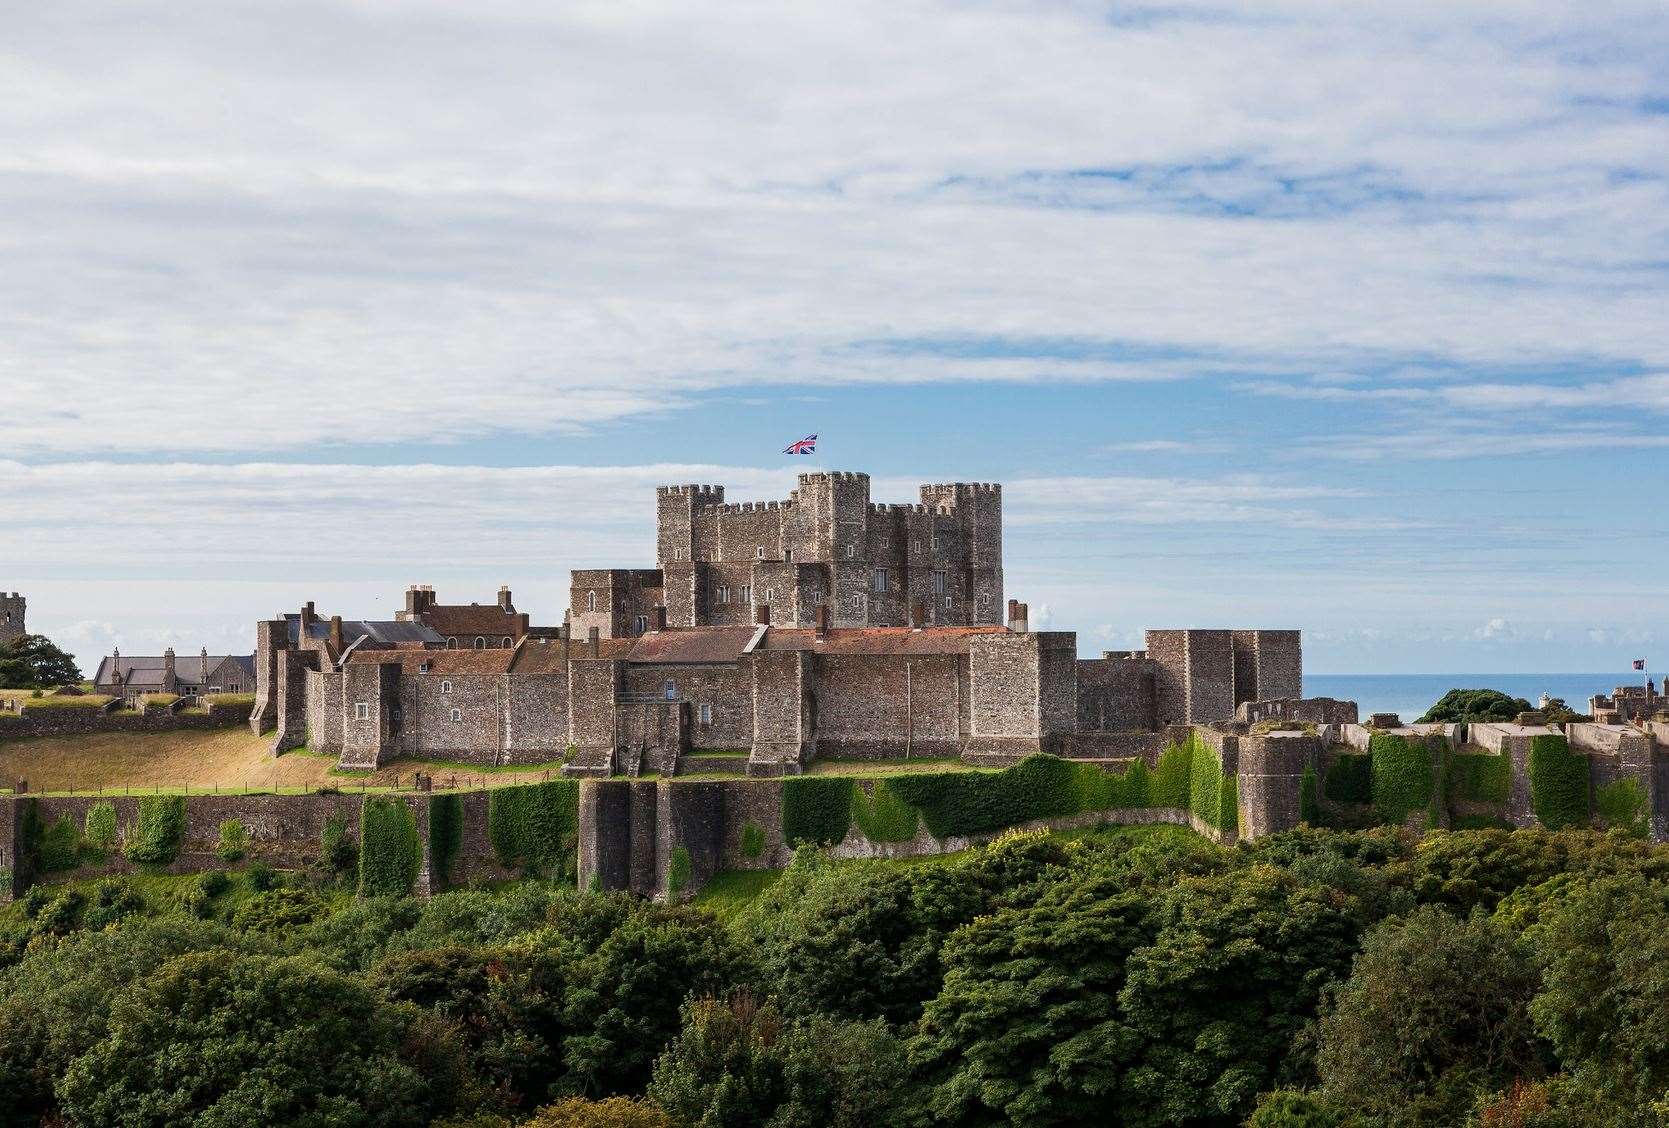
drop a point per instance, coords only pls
(890, 767)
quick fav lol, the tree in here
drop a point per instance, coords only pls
(33, 662)
(219, 1040)
(1463, 706)
(615, 1112)
(1436, 1011)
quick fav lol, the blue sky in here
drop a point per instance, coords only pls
(1349, 318)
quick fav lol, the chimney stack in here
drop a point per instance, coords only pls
(504, 599)
(413, 600)
(1017, 617)
(822, 620)
(657, 617)
(307, 617)
(762, 614)
(203, 667)
(168, 679)
(336, 634)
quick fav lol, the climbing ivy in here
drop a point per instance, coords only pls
(883, 815)
(1558, 783)
(389, 851)
(1350, 779)
(57, 846)
(1309, 807)
(1402, 776)
(816, 809)
(1480, 778)
(1213, 798)
(99, 826)
(1622, 804)
(753, 840)
(156, 837)
(234, 841)
(678, 871)
(536, 827)
(446, 833)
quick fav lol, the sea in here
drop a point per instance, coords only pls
(1412, 694)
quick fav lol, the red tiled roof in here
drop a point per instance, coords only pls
(458, 620)
(691, 645)
(877, 640)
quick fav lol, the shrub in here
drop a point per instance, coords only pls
(1287, 1108)
(389, 851)
(1622, 804)
(1480, 779)
(883, 815)
(536, 827)
(1558, 783)
(261, 877)
(611, 1112)
(156, 838)
(1350, 780)
(234, 841)
(816, 809)
(1402, 776)
(961, 803)
(213, 882)
(753, 840)
(58, 846)
(277, 909)
(99, 827)
(1462, 706)
(446, 833)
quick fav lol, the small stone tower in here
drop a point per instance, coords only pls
(12, 606)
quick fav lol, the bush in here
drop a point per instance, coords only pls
(1402, 776)
(156, 838)
(536, 827)
(815, 809)
(389, 851)
(234, 841)
(213, 882)
(1558, 783)
(1463, 706)
(261, 877)
(1350, 779)
(1285, 1108)
(753, 840)
(337, 853)
(58, 846)
(962, 803)
(612, 1112)
(99, 827)
(882, 815)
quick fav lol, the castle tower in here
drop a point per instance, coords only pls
(675, 517)
(976, 548)
(12, 607)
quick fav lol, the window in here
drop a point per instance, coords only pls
(851, 551)
(423, 669)
(591, 601)
(451, 644)
(706, 714)
(935, 540)
(723, 595)
(947, 603)
(669, 689)
(816, 596)
(938, 583)
(744, 594)
(234, 688)
(759, 553)
(446, 687)
(480, 643)
(770, 595)
(362, 710)
(507, 642)
(640, 625)
(787, 556)
(457, 715)
(879, 581)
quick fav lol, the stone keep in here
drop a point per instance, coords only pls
(12, 606)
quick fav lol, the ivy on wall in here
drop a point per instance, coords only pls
(815, 809)
(536, 827)
(1402, 776)
(99, 826)
(446, 833)
(156, 836)
(1213, 798)
(337, 855)
(1168, 785)
(1622, 804)
(1480, 778)
(1309, 806)
(1350, 779)
(883, 815)
(1558, 783)
(389, 851)
(678, 871)
(753, 840)
(234, 840)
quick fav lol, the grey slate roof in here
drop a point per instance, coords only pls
(382, 632)
(147, 669)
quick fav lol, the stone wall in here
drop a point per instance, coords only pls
(1117, 694)
(79, 722)
(889, 706)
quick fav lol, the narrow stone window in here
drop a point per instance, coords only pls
(591, 601)
(362, 711)
(706, 714)
(744, 594)
(446, 687)
(480, 643)
(938, 583)
(457, 715)
(759, 553)
(508, 643)
(879, 581)
(451, 644)
(723, 595)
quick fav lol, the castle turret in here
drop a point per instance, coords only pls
(12, 607)
(675, 511)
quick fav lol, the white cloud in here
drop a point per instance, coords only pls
(260, 227)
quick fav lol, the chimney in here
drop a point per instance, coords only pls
(336, 634)
(522, 622)
(762, 614)
(918, 614)
(822, 620)
(1017, 616)
(203, 667)
(413, 600)
(504, 599)
(591, 638)
(657, 617)
(168, 678)
(307, 617)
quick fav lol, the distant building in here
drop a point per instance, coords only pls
(12, 607)
(135, 676)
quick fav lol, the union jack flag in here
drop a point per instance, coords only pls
(1639, 663)
(807, 445)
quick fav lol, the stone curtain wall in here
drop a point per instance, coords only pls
(77, 722)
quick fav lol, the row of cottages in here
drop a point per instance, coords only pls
(133, 676)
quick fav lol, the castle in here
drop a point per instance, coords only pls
(769, 635)
(12, 607)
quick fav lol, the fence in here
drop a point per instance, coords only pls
(450, 781)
